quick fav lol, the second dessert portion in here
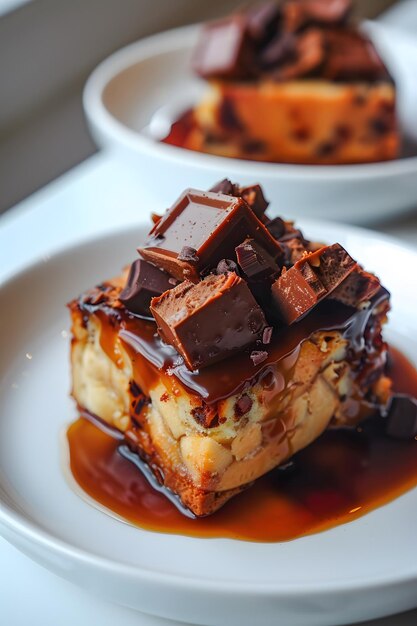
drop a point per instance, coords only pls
(294, 81)
(231, 343)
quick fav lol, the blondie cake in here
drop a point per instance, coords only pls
(231, 343)
(294, 81)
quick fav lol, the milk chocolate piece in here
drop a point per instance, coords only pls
(351, 56)
(282, 48)
(144, 282)
(297, 291)
(255, 262)
(212, 224)
(358, 287)
(224, 186)
(208, 321)
(225, 50)
(402, 417)
(315, 275)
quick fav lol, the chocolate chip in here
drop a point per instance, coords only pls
(379, 126)
(267, 335)
(258, 356)
(226, 265)
(326, 149)
(228, 118)
(243, 405)
(188, 254)
(402, 417)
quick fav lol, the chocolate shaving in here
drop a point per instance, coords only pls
(258, 356)
(267, 335)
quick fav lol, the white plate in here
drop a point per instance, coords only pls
(124, 93)
(364, 569)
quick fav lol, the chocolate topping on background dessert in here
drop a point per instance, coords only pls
(287, 40)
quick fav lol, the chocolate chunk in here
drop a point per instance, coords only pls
(258, 356)
(358, 287)
(225, 50)
(262, 19)
(208, 321)
(255, 262)
(255, 198)
(212, 224)
(252, 195)
(301, 287)
(351, 56)
(267, 335)
(331, 264)
(281, 49)
(224, 186)
(297, 291)
(144, 282)
(188, 254)
(205, 415)
(308, 57)
(276, 227)
(294, 251)
(226, 265)
(243, 405)
(402, 417)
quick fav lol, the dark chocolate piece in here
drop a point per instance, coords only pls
(258, 356)
(255, 262)
(144, 282)
(243, 405)
(225, 50)
(331, 264)
(226, 265)
(281, 49)
(276, 227)
(212, 224)
(312, 278)
(208, 321)
(402, 417)
(358, 287)
(224, 186)
(255, 198)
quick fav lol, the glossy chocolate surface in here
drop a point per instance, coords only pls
(152, 358)
(343, 475)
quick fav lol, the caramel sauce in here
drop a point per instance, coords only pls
(153, 359)
(341, 476)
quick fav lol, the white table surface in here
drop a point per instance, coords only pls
(94, 198)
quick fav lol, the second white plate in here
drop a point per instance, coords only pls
(364, 569)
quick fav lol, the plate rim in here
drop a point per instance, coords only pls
(20, 525)
(99, 117)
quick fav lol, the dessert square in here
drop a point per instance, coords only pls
(214, 382)
(294, 82)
